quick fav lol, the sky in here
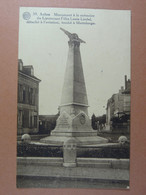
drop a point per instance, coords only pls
(105, 55)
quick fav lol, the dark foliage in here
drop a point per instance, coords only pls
(121, 119)
(32, 150)
(110, 152)
(98, 121)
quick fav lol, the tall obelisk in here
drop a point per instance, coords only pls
(73, 120)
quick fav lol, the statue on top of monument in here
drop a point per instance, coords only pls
(73, 36)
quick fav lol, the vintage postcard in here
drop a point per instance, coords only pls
(74, 97)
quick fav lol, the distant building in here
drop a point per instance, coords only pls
(28, 99)
(47, 123)
(118, 108)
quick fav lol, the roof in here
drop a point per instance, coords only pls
(26, 70)
(27, 75)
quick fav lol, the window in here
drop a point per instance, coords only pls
(24, 95)
(25, 118)
(35, 121)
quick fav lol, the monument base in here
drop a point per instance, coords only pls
(81, 141)
(78, 127)
(69, 164)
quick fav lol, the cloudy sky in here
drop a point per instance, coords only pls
(105, 55)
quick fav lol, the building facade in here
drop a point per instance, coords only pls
(118, 108)
(28, 100)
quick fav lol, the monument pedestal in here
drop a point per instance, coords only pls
(78, 127)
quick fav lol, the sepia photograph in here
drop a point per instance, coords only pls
(74, 98)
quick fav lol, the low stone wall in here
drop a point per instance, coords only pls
(39, 161)
(34, 137)
(104, 163)
(81, 162)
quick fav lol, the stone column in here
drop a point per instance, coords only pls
(74, 96)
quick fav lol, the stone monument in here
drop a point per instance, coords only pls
(73, 120)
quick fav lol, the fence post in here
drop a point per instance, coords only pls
(70, 153)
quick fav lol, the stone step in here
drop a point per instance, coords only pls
(94, 165)
(94, 160)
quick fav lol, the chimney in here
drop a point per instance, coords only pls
(125, 81)
(20, 64)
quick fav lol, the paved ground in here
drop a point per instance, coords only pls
(78, 177)
(49, 182)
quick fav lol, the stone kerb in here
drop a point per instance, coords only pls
(70, 152)
(26, 139)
